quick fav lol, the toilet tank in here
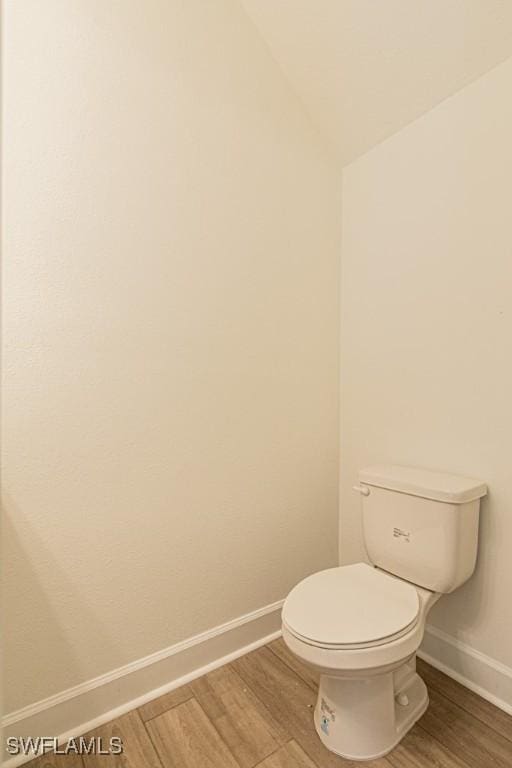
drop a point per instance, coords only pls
(421, 526)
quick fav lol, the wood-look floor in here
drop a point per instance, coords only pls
(258, 711)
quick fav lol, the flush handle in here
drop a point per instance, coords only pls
(362, 490)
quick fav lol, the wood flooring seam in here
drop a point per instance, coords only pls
(300, 679)
(157, 753)
(438, 689)
(169, 709)
(451, 752)
(258, 764)
(294, 671)
(219, 734)
(456, 731)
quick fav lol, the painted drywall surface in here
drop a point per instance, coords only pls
(170, 324)
(426, 321)
(365, 69)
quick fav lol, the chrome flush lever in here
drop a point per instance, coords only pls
(362, 490)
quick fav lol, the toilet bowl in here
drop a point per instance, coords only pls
(361, 625)
(365, 654)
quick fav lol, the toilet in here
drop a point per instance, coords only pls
(361, 625)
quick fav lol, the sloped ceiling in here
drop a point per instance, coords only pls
(365, 68)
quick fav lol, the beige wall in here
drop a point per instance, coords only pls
(366, 68)
(426, 328)
(170, 322)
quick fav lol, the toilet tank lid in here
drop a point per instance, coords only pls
(452, 489)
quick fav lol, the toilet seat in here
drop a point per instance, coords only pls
(351, 607)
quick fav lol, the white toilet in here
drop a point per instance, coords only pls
(361, 625)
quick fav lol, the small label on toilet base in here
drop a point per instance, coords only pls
(327, 716)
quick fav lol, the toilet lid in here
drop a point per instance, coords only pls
(354, 605)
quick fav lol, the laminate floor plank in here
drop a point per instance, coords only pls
(163, 703)
(51, 760)
(307, 673)
(464, 735)
(184, 737)
(245, 724)
(138, 751)
(291, 701)
(477, 706)
(289, 756)
(418, 749)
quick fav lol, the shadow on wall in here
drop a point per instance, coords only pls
(30, 574)
(472, 594)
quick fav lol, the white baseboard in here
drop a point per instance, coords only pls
(77, 710)
(488, 678)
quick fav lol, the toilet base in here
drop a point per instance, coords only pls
(361, 718)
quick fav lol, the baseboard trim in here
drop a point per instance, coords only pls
(77, 710)
(483, 675)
